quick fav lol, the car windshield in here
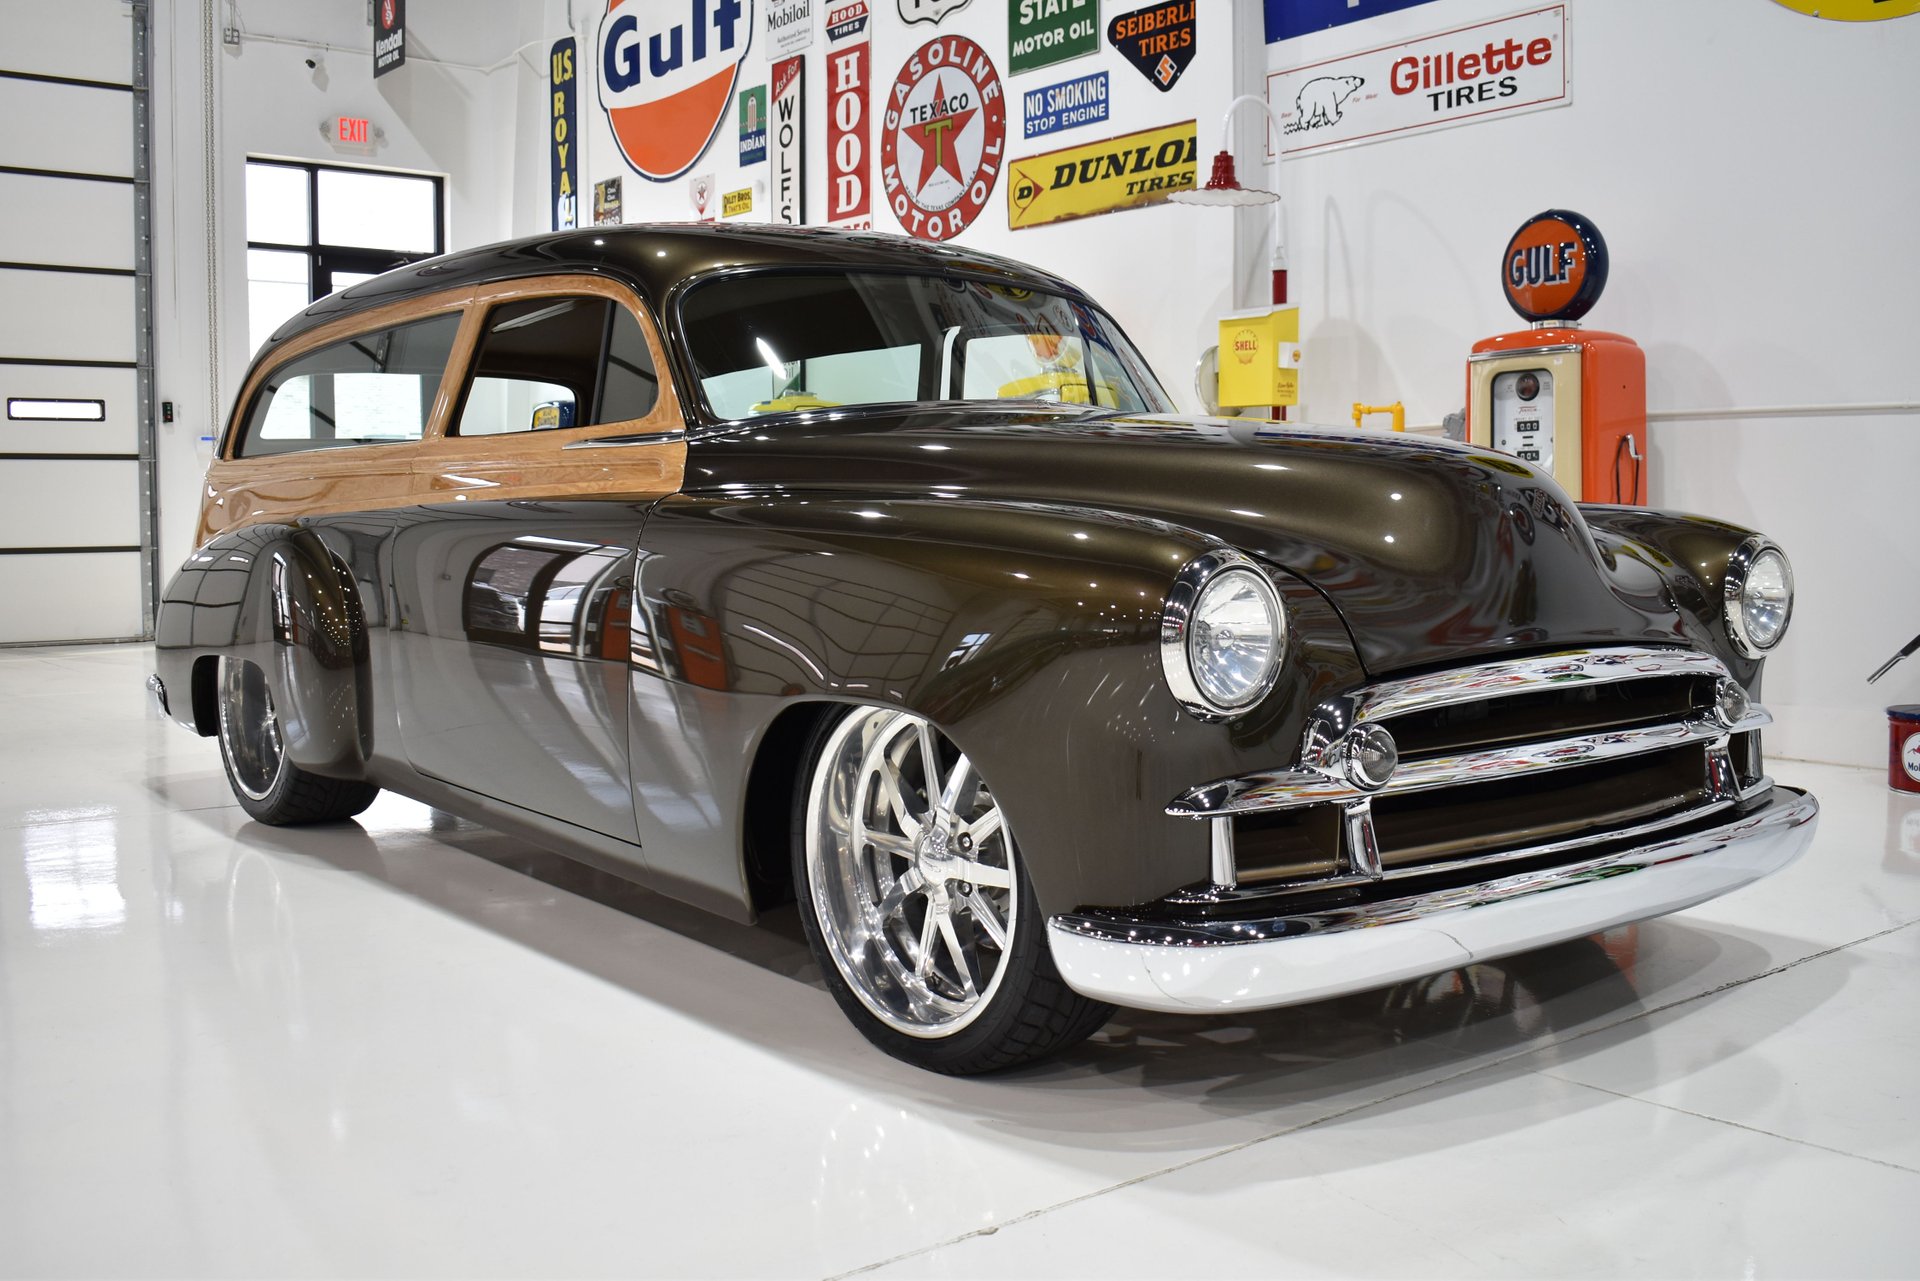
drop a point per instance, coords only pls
(777, 342)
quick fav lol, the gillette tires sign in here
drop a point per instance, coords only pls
(668, 69)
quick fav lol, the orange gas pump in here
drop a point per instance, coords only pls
(1571, 401)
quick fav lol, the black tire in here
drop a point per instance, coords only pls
(269, 787)
(1024, 1011)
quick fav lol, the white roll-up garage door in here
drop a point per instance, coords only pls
(76, 431)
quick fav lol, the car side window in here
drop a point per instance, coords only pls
(544, 363)
(372, 389)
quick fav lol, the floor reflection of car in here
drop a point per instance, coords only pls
(760, 564)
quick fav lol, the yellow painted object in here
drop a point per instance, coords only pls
(1398, 410)
(1260, 357)
(1065, 386)
(791, 401)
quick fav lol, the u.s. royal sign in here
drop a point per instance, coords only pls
(1464, 75)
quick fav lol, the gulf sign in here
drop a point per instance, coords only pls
(668, 69)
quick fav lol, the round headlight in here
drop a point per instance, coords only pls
(1759, 597)
(1223, 635)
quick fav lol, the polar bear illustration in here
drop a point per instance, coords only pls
(1320, 99)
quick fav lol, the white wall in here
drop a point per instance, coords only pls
(1751, 169)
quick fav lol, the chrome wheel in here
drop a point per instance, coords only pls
(249, 729)
(910, 873)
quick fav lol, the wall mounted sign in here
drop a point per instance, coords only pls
(734, 204)
(563, 128)
(1128, 172)
(1854, 10)
(606, 202)
(1289, 18)
(1460, 76)
(352, 131)
(942, 138)
(389, 36)
(1554, 267)
(700, 194)
(1157, 40)
(789, 26)
(667, 76)
(929, 10)
(789, 124)
(753, 125)
(849, 127)
(1043, 32)
(1065, 106)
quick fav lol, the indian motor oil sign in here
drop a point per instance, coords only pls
(1459, 76)
(667, 74)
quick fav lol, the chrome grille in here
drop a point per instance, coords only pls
(1499, 761)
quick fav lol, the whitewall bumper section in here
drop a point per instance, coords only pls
(1204, 966)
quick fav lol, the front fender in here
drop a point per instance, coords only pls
(1028, 633)
(276, 596)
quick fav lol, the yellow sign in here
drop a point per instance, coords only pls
(1260, 357)
(1128, 172)
(1854, 10)
(735, 203)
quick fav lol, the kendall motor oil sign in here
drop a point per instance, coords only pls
(1454, 77)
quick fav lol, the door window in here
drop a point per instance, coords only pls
(544, 363)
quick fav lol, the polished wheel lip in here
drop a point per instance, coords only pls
(861, 919)
(255, 750)
(1203, 966)
(1176, 617)
(1739, 565)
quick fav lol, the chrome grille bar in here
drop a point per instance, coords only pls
(1485, 681)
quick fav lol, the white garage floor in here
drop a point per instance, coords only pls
(414, 1046)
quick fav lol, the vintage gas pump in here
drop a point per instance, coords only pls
(1571, 401)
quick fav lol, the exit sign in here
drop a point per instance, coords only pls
(353, 131)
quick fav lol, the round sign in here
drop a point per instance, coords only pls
(1554, 267)
(1910, 756)
(387, 14)
(667, 75)
(1854, 10)
(942, 138)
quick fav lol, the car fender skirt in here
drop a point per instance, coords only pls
(1214, 966)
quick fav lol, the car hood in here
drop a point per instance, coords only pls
(1431, 551)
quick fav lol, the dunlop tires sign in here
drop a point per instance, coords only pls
(1128, 172)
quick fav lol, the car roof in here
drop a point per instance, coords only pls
(653, 258)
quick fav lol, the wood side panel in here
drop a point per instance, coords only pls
(440, 467)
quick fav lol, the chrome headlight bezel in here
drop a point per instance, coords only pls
(1733, 604)
(1176, 633)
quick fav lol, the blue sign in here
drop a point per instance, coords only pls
(1069, 103)
(1289, 18)
(563, 135)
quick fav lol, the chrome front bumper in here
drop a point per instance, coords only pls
(1209, 966)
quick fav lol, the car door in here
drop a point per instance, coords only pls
(514, 576)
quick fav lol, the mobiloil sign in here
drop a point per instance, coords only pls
(667, 74)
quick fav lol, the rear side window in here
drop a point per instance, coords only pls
(558, 362)
(374, 389)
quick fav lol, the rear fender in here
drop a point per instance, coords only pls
(277, 597)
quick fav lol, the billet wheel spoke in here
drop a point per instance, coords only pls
(896, 897)
(985, 827)
(986, 874)
(956, 780)
(889, 784)
(923, 958)
(887, 842)
(929, 763)
(962, 964)
(988, 917)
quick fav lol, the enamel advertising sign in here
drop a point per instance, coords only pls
(1462, 76)
(786, 175)
(563, 136)
(1128, 172)
(849, 127)
(789, 26)
(943, 138)
(1043, 32)
(668, 69)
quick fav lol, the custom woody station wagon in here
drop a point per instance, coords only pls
(759, 564)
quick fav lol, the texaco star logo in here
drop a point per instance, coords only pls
(942, 141)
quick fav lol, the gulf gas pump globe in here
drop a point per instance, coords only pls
(1571, 401)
